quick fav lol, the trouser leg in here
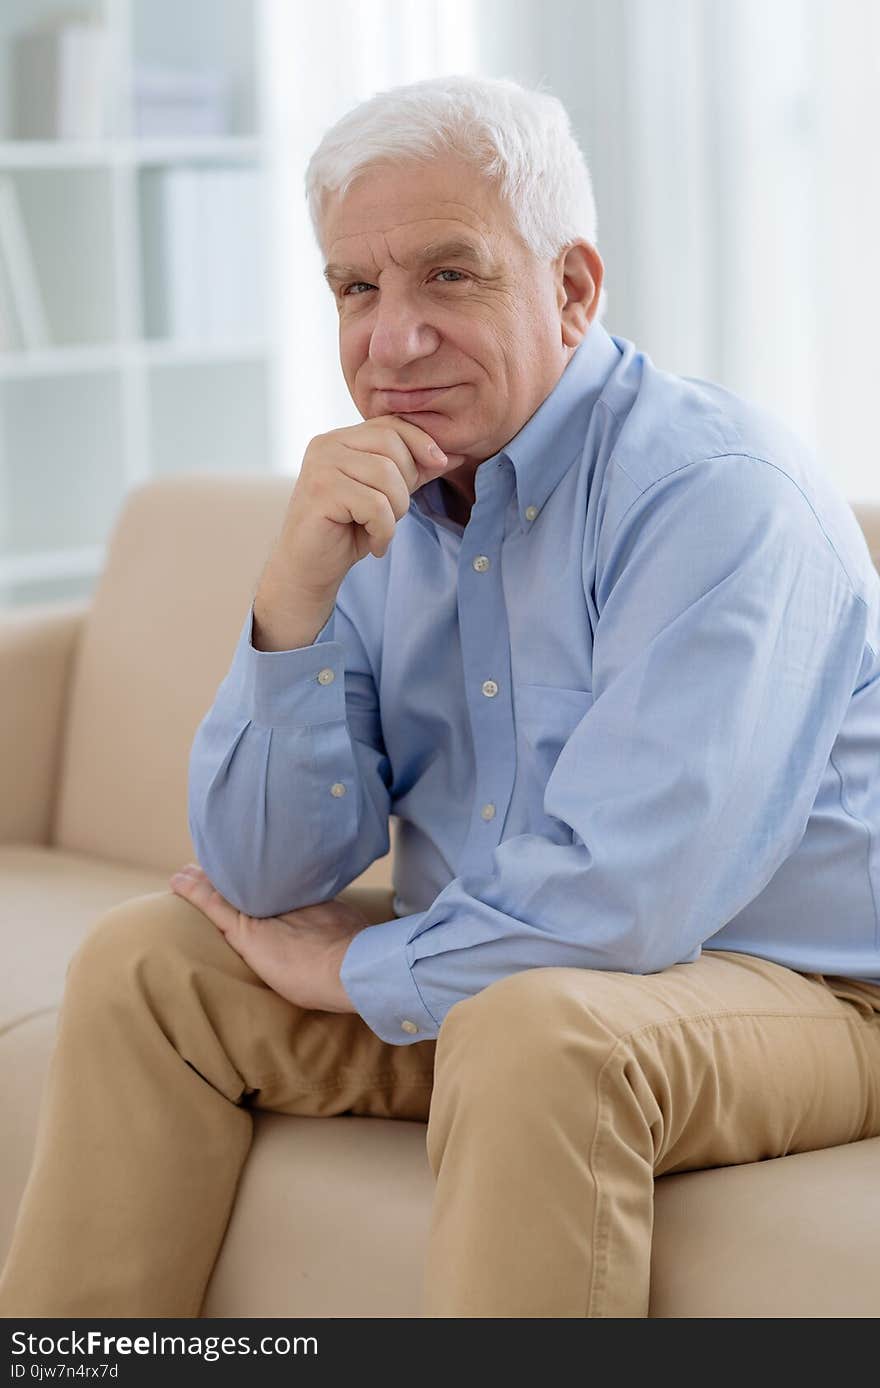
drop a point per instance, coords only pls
(166, 1040)
(559, 1095)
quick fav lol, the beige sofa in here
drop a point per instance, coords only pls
(99, 701)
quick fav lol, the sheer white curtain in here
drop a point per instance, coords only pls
(733, 146)
(756, 181)
(847, 279)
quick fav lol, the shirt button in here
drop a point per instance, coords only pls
(531, 512)
(481, 563)
(408, 1026)
(490, 688)
(488, 811)
(326, 676)
(337, 788)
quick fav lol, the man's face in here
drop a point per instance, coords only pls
(488, 328)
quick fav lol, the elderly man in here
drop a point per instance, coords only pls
(607, 642)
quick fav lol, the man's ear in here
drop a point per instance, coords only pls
(580, 272)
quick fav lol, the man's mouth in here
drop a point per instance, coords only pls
(411, 400)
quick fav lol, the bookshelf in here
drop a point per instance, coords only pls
(152, 361)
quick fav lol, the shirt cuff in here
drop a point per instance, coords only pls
(376, 974)
(297, 688)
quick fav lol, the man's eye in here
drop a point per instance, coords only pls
(362, 284)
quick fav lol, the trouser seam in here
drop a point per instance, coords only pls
(715, 1016)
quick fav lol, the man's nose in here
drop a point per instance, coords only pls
(400, 333)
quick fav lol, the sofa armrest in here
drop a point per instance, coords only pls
(37, 647)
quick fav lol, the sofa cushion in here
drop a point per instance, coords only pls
(787, 1237)
(48, 903)
(331, 1217)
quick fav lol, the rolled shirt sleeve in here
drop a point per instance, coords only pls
(726, 650)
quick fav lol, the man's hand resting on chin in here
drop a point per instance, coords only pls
(298, 955)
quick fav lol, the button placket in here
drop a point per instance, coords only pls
(486, 653)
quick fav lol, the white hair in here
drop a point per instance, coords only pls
(517, 137)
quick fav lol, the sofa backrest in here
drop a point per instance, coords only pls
(183, 564)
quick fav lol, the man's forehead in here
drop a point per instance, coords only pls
(394, 198)
(354, 216)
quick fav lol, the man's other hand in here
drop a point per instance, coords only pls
(298, 955)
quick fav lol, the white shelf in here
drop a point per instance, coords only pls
(152, 369)
(71, 361)
(83, 562)
(197, 354)
(60, 154)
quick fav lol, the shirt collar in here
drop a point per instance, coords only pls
(550, 441)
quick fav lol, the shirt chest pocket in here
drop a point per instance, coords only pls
(545, 716)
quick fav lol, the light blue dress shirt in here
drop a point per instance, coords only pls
(630, 711)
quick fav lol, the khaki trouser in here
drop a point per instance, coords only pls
(552, 1097)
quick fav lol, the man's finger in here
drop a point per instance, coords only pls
(193, 884)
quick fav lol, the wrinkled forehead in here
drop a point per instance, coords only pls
(439, 197)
